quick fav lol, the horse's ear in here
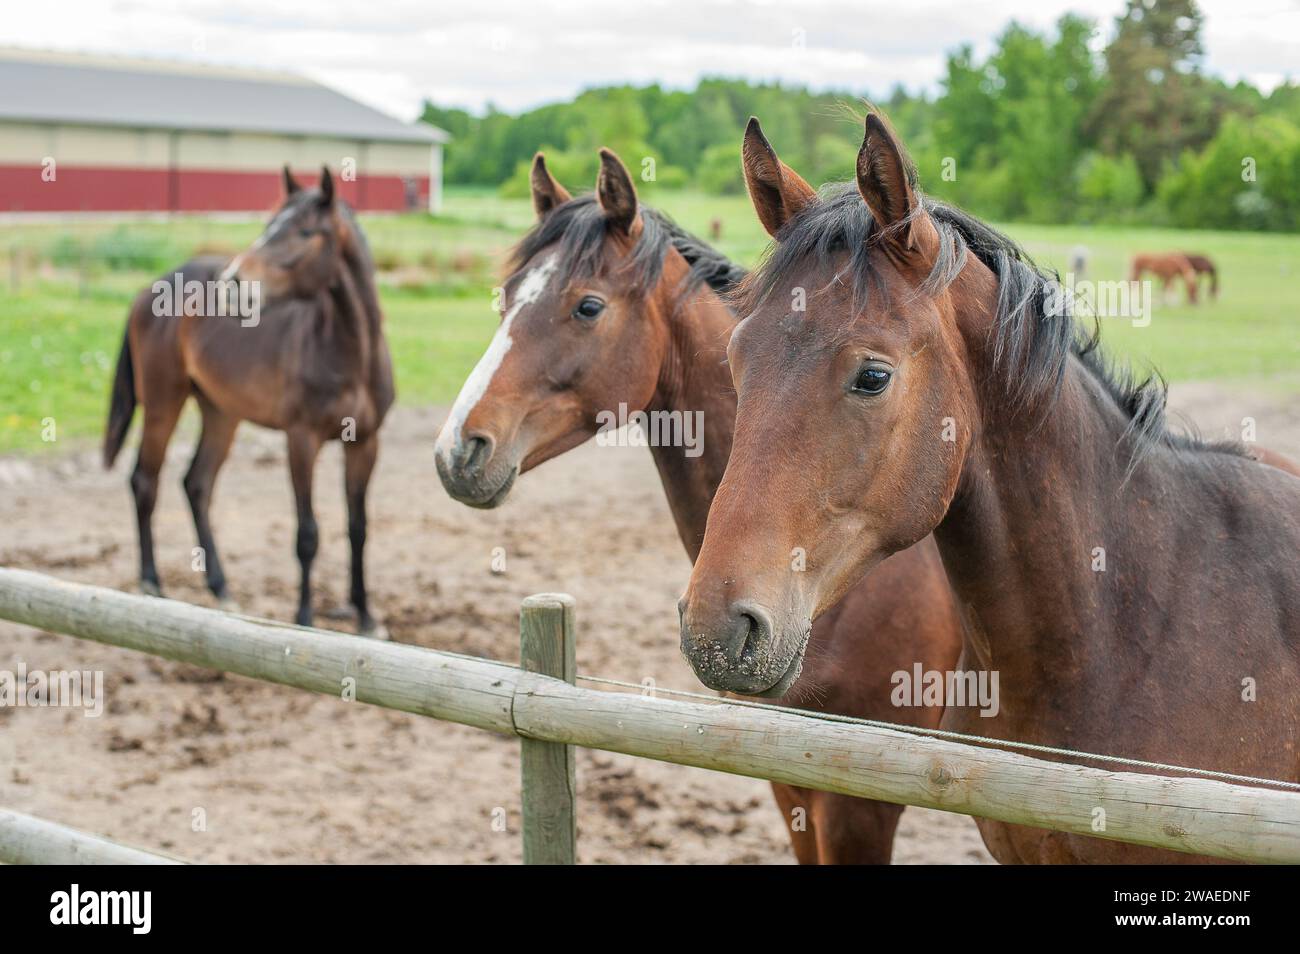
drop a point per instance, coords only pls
(615, 192)
(547, 193)
(884, 181)
(290, 183)
(326, 187)
(777, 191)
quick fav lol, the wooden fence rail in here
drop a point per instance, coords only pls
(25, 840)
(1239, 822)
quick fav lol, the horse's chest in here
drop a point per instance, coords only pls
(338, 405)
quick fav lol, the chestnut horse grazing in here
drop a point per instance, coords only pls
(1137, 591)
(608, 304)
(1166, 266)
(309, 360)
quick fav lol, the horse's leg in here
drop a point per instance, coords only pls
(803, 829)
(303, 448)
(853, 831)
(837, 829)
(358, 464)
(214, 445)
(160, 418)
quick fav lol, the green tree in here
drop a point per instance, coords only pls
(1247, 177)
(1044, 129)
(1109, 189)
(719, 171)
(1154, 103)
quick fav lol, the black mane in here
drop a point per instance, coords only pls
(580, 228)
(1034, 330)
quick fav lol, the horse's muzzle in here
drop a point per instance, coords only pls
(739, 649)
(470, 474)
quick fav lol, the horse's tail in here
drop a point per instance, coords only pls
(122, 403)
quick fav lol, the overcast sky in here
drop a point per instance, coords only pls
(394, 53)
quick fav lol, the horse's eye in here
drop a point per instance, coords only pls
(872, 379)
(306, 233)
(589, 308)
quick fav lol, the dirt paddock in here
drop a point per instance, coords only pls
(279, 775)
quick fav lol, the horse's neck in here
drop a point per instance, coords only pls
(356, 311)
(1071, 561)
(1040, 544)
(349, 312)
(694, 378)
(363, 278)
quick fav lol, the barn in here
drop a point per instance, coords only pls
(102, 134)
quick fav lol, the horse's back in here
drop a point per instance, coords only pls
(154, 329)
(1273, 459)
(163, 299)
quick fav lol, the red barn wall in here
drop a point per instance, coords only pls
(89, 169)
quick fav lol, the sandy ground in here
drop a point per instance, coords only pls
(281, 775)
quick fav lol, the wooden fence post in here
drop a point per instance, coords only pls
(546, 646)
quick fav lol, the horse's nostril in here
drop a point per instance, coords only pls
(476, 454)
(732, 646)
(753, 637)
(752, 630)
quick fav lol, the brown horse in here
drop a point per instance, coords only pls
(309, 358)
(610, 304)
(1203, 265)
(1136, 591)
(1166, 266)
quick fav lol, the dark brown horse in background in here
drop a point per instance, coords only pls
(609, 303)
(1128, 584)
(1166, 266)
(311, 361)
(1203, 265)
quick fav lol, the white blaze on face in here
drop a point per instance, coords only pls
(476, 385)
(232, 269)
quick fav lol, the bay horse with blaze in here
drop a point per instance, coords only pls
(609, 303)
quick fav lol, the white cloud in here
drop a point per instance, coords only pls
(394, 53)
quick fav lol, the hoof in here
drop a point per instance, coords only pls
(228, 605)
(150, 588)
(372, 629)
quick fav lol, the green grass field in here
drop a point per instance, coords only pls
(61, 324)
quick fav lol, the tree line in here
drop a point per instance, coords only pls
(1046, 128)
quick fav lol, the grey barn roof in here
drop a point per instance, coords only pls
(60, 88)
